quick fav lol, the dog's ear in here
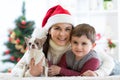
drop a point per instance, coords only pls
(44, 39)
(26, 39)
(29, 37)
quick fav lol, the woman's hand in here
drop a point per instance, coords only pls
(54, 70)
(36, 70)
(89, 73)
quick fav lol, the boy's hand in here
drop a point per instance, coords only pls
(54, 70)
(89, 73)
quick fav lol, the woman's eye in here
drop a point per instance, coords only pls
(68, 29)
(57, 28)
(75, 42)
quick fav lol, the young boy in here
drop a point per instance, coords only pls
(81, 57)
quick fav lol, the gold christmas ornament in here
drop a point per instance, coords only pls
(13, 35)
(18, 47)
(13, 41)
(23, 50)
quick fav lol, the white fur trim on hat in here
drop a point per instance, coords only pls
(59, 18)
(39, 32)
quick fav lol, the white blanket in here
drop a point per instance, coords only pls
(8, 76)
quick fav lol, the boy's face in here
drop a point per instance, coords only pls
(81, 45)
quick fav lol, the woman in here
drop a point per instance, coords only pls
(58, 22)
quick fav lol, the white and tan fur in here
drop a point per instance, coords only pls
(35, 51)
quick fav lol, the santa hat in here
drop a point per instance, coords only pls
(57, 14)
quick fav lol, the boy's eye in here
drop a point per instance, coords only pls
(84, 43)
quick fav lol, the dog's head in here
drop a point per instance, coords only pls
(35, 43)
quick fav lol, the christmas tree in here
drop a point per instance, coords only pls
(16, 45)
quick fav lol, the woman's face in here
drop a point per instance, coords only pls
(60, 33)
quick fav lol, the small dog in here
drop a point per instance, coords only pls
(34, 51)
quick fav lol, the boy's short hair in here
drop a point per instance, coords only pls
(84, 29)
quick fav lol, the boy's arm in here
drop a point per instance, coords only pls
(64, 70)
(91, 65)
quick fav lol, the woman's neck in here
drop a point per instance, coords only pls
(56, 51)
(56, 47)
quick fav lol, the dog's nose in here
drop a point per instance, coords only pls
(33, 46)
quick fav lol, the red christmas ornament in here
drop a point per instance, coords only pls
(98, 36)
(23, 26)
(10, 39)
(12, 58)
(23, 22)
(10, 31)
(18, 40)
(7, 52)
(18, 59)
(110, 42)
(26, 48)
(9, 70)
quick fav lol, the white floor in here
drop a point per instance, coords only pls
(8, 76)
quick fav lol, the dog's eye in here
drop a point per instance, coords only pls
(37, 43)
(29, 44)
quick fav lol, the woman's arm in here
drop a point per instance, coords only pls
(18, 68)
(106, 66)
(34, 70)
(105, 69)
